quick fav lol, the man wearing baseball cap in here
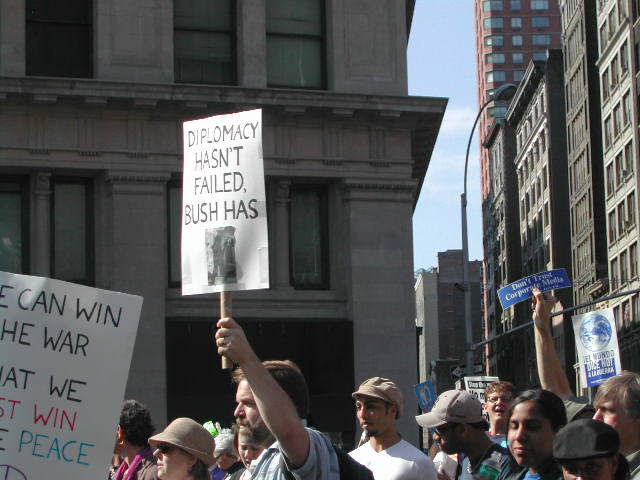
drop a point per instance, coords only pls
(459, 427)
(590, 450)
(379, 404)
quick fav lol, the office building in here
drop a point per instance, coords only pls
(509, 34)
(537, 116)
(584, 150)
(618, 39)
(92, 100)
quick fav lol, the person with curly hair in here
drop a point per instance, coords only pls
(134, 430)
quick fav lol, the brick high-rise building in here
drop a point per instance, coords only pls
(509, 34)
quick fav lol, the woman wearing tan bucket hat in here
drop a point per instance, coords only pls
(184, 450)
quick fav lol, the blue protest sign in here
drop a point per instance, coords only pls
(426, 393)
(597, 346)
(521, 290)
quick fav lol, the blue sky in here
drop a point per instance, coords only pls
(442, 63)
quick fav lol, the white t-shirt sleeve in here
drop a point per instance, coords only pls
(426, 469)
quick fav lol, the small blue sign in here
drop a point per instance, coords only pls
(426, 393)
(522, 289)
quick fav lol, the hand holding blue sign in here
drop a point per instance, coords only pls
(521, 290)
(543, 304)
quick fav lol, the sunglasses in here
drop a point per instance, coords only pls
(165, 448)
(444, 428)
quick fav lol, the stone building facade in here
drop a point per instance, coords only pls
(584, 150)
(92, 98)
(537, 116)
(617, 65)
(503, 261)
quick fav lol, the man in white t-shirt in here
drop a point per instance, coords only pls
(379, 404)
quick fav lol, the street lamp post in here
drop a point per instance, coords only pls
(504, 92)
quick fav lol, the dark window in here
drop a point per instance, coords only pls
(295, 43)
(72, 230)
(309, 237)
(492, 5)
(300, 340)
(541, 39)
(540, 22)
(59, 38)
(539, 4)
(494, 58)
(13, 225)
(496, 76)
(493, 22)
(204, 41)
(494, 40)
(174, 204)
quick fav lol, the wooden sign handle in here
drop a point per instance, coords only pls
(225, 311)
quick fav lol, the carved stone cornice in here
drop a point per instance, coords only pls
(136, 183)
(100, 93)
(364, 185)
(137, 177)
(364, 190)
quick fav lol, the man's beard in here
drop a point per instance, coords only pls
(257, 434)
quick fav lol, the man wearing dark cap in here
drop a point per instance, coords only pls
(379, 404)
(459, 427)
(589, 450)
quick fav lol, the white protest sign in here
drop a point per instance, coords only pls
(65, 352)
(477, 385)
(224, 217)
(597, 346)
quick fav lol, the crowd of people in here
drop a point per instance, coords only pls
(540, 434)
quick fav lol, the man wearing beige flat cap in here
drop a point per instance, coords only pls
(379, 404)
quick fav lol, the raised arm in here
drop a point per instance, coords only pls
(550, 370)
(276, 408)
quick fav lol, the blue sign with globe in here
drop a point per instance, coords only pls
(426, 393)
(595, 332)
(599, 354)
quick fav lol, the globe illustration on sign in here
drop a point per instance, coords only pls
(595, 332)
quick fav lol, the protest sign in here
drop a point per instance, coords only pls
(477, 385)
(224, 216)
(521, 290)
(426, 394)
(65, 352)
(597, 346)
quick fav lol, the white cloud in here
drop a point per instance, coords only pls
(446, 173)
(458, 121)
